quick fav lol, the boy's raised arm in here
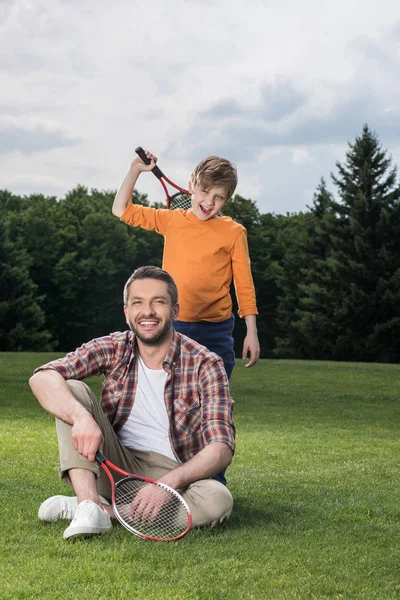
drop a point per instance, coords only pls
(124, 195)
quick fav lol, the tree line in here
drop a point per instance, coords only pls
(327, 279)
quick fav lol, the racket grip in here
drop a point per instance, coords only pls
(142, 155)
(100, 458)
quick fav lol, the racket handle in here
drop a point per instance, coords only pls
(100, 458)
(142, 155)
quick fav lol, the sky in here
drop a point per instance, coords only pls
(279, 87)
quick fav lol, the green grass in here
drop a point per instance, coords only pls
(315, 481)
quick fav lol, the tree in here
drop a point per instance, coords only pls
(97, 256)
(295, 231)
(267, 240)
(261, 235)
(348, 305)
(22, 320)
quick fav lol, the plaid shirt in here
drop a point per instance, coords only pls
(196, 393)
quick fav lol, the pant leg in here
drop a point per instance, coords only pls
(217, 337)
(210, 502)
(113, 449)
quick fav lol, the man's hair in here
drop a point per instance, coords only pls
(214, 171)
(151, 272)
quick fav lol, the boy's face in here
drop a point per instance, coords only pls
(206, 204)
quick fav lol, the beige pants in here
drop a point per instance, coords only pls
(210, 502)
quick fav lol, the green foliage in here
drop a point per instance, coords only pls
(75, 256)
(245, 211)
(267, 247)
(22, 320)
(345, 272)
(327, 281)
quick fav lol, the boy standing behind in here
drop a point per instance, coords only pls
(203, 253)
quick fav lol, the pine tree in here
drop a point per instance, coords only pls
(348, 304)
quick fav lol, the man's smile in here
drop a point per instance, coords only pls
(148, 323)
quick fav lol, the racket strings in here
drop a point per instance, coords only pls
(184, 201)
(150, 509)
(180, 200)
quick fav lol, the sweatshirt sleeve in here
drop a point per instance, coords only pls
(146, 217)
(242, 277)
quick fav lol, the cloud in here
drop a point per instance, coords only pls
(276, 101)
(36, 184)
(31, 137)
(279, 87)
(300, 156)
(243, 133)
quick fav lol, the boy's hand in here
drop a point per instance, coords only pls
(139, 165)
(251, 346)
(123, 197)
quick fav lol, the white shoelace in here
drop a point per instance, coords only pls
(66, 510)
(84, 510)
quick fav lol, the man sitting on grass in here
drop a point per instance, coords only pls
(165, 412)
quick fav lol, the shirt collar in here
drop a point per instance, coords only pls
(173, 352)
(132, 342)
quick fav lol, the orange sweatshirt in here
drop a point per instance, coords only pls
(203, 257)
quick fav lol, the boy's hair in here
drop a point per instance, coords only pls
(214, 171)
(151, 272)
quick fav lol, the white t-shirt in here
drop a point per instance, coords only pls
(147, 427)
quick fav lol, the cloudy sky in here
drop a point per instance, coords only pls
(278, 86)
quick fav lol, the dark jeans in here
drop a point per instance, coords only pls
(217, 337)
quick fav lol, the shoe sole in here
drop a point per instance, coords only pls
(82, 533)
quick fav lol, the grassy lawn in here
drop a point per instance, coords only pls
(315, 481)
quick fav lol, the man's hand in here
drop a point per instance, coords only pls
(87, 437)
(53, 393)
(148, 503)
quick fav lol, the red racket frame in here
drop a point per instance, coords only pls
(106, 465)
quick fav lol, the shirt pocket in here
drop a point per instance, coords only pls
(112, 389)
(187, 412)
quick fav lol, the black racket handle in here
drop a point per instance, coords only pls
(142, 155)
(100, 458)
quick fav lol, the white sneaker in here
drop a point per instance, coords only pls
(60, 507)
(89, 519)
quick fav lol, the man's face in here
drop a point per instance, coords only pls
(150, 313)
